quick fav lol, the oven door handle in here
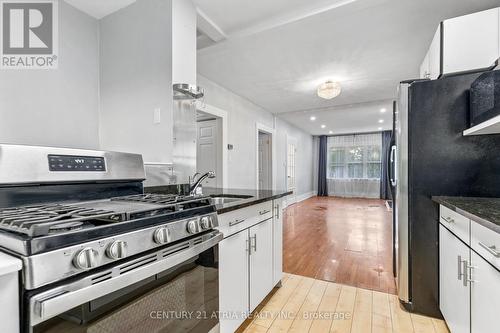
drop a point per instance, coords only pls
(56, 301)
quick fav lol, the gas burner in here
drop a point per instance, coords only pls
(162, 199)
(68, 226)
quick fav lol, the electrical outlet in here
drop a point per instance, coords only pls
(157, 116)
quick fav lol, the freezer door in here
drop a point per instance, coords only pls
(401, 205)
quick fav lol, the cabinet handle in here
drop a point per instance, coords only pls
(248, 247)
(254, 242)
(235, 222)
(460, 274)
(491, 249)
(263, 212)
(465, 274)
(277, 211)
(449, 220)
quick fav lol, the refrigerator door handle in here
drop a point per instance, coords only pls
(392, 167)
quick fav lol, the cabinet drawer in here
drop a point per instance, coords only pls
(486, 242)
(237, 220)
(456, 223)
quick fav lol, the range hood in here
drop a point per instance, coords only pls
(184, 91)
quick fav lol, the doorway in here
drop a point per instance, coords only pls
(265, 161)
(209, 147)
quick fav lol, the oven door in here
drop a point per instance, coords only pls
(171, 290)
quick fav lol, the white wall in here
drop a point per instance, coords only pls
(136, 78)
(242, 118)
(184, 38)
(56, 107)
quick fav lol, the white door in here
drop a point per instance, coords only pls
(261, 262)
(207, 153)
(277, 241)
(485, 295)
(265, 161)
(454, 296)
(291, 168)
(233, 281)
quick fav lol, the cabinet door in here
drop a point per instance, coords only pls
(485, 295)
(233, 281)
(471, 41)
(435, 55)
(261, 262)
(277, 241)
(424, 67)
(454, 293)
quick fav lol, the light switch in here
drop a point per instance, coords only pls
(157, 116)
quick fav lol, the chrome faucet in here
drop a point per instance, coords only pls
(195, 185)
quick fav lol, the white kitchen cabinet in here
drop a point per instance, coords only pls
(277, 241)
(424, 67)
(471, 42)
(233, 281)
(435, 55)
(485, 295)
(454, 292)
(9, 293)
(261, 262)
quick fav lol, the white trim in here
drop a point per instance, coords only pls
(290, 199)
(206, 25)
(263, 128)
(291, 139)
(215, 111)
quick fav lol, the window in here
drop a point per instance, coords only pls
(354, 156)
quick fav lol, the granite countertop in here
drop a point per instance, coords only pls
(253, 197)
(485, 211)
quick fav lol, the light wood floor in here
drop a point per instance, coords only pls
(304, 304)
(347, 241)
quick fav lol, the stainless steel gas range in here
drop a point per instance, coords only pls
(98, 254)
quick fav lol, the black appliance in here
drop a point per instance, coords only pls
(432, 157)
(485, 97)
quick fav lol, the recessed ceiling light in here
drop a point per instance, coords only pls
(329, 90)
(330, 132)
(381, 121)
(383, 110)
(313, 118)
(323, 126)
(380, 128)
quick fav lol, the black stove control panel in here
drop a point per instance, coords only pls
(76, 163)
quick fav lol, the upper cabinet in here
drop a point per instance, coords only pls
(462, 44)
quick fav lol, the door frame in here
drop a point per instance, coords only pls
(292, 198)
(215, 111)
(271, 131)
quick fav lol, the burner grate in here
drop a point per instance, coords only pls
(42, 219)
(161, 199)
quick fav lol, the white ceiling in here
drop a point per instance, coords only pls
(99, 8)
(276, 52)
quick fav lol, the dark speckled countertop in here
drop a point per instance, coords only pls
(485, 211)
(255, 196)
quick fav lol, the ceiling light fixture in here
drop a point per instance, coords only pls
(380, 128)
(323, 126)
(381, 121)
(313, 118)
(329, 90)
(383, 110)
(330, 132)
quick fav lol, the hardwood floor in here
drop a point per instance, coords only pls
(347, 241)
(304, 304)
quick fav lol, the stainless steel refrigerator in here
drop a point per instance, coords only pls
(431, 157)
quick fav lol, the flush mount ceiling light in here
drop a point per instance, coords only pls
(381, 121)
(330, 132)
(383, 110)
(329, 90)
(323, 126)
(313, 118)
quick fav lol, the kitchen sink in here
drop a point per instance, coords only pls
(228, 198)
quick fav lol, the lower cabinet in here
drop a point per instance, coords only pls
(485, 295)
(233, 281)
(454, 295)
(250, 265)
(261, 262)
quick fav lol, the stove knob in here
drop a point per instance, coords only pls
(205, 222)
(117, 250)
(86, 258)
(161, 235)
(191, 227)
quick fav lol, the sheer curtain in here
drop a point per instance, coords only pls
(354, 165)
